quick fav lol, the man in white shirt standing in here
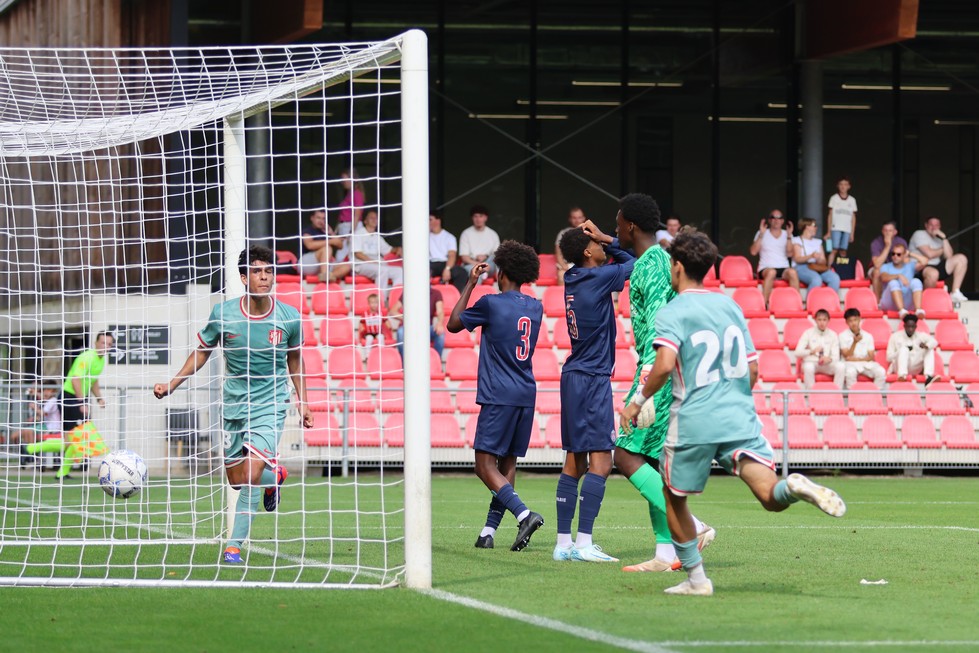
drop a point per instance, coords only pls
(665, 236)
(369, 249)
(478, 243)
(819, 352)
(910, 352)
(773, 247)
(442, 250)
(943, 263)
(857, 352)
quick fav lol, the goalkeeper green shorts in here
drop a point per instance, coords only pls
(649, 442)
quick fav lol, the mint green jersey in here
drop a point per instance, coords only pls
(712, 400)
(255, 348)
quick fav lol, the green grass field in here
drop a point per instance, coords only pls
(782, 581)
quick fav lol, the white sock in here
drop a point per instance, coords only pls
(665, 552)
(697, 575)
(564, 540)
(523, 515)
(487, 530)
(699, 524)
(583, 540)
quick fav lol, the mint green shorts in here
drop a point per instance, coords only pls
(257, 434)
(686, 467)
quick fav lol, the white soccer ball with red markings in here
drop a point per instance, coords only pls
(122, 474)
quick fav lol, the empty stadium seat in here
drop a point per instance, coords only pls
(917, 432)
(785, 303)
(864, 300)
(545, 365)
(313, 363)
(865, 398)
(879, 433)
(839, 432)
(827, 404)
(797, 400)
(549, 401)
(292, 294)
(963, 367)
(479, 292)
(904, 404)
(561, 338)
(548, 270)
(461, 365)
(552, 431)
(337, 331)
(941, 398)
(958, 433)
(320, 400)
(435, 370)
(764, 333)
(325, 433)
(450, 297)
(623, 339)
(793, 329)
(363, 430)
(309, 333)
(385, 363)
(769, 429)
(775, 366)
(445, 432)
(465, 398)
(824, 298)
(953, 336)
(937, 304)
(470, 430)
(344, 363)
(625, 365)
(462, 339)
(328, 299)
(803, 433)
(394, 430)
(391, 397)
(711, 280)
(554, 301)
(880, 329)
(751, 301)
(441, 401)
(544, 340)
(356, 395)
(761, 402)
(622, 303)
(736, 272)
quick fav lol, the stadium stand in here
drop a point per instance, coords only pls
(797, 400)
(827, 404)
(824, 298)
(958, 433)
(737, 272)
(879, 433)
(839, 432)
(864, 300)
(764, 334)
(918, 432)
(751, 301)
(786, 303)
(775, 366)
(937, 304)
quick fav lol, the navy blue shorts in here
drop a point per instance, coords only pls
(504, 430)
(587, 418)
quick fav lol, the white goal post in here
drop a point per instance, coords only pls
(130, 180)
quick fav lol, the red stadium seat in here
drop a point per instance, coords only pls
(544, 340)
(320, 401)
(963, 367)
(827, 404)
(938, 305)
(309, 333)
(562, 340)
(952, 336)
(325, 433)
(879, 433)
(764, 333)
(837, 325)
(466, 398)
(435, 371)
(548, 401)
(554, 301)
(859, 280)
(391, 397)
(917, 432)
(548, 270)
(769, 430)
(385, 363)
(313, 363)
(441, 401)
(359, 299)
(552, 432)
(941, 398)
(461, 365)
(462, 339)
(761, 402)
(356, 395)
(736, 272)
(904, 404)
(328, 299)
(625, 366)
(803, 433)
(958, 433)
(479, 292)
(871, 403)
(839, 432)
(623, 339)
(623, 305)
(536, 438)
(864, 300)
(470, 430)
(793, 330)
(880, 329)
(775, 366)
(337, 331)
(344, 363)
(450, 297)
(394, 430)
(797, 400)
(444, 432)
(545, 365)
(357, 280)
(824, 298)
(711, 280)
(363, 430)
(751, 301)
(292, 294)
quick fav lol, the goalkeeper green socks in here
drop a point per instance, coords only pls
(54, 445)
(650, 485)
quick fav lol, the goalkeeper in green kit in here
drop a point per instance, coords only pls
(637, 453)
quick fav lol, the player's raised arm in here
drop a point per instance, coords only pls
(194, 362)
(455, 321)
(297, 372)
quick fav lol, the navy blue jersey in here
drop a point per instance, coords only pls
(591, 314)
(511, 324)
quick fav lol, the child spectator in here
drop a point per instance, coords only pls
(371, 323)
(910, 352)
(819, 351)
(857, 351)
(841, 220)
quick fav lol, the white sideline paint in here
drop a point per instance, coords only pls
(828, 643)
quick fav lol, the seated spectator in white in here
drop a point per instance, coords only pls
(665, 236)
(369, 249)
(576, 218)
(319, 244)
(819, 352)
(443, 253)
(478, 243)
(371, 323)
(809, 259)
(437, 315)
(857, 352)
(942, 262)
(880, 253)
(901, 288)
(773, 247)
(911, 352)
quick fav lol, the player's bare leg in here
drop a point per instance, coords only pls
(684, 532)
(777, 495)
(249, 476)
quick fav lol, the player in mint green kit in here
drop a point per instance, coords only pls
(704, 344)
(637, 453)
(262, 341)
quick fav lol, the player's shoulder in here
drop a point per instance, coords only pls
(286, 311)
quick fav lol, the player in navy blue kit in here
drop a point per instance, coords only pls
(587, 417)
(505, 389)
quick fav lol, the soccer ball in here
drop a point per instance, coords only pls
(122, 474)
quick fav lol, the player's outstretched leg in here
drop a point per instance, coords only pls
(272, 481)
(818, 495)
(493, 519)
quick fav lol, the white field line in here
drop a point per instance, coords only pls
(736, 527)
(827, 644)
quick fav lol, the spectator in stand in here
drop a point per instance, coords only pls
(442, 253)
(841, 221)
(880, 253)
(437, 334)
(809, 259)
(371, 322)
(819, 352)
(901, 288)
(318, 244)
(942, 262)
(910, 352)
(665, 236)
(576, 218)
(478, 243)
(352, 204)
(369, 250)
(773, 247)
(857, 351)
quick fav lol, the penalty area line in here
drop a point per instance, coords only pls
(548, 624)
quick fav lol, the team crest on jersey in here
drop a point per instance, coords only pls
(275, 336)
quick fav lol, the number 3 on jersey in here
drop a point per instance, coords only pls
(734, 347)
(523, 348)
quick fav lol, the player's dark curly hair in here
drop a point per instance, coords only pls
(573, 244)
(517, 261)
(641, 210)
(252, 254)
(695, 251)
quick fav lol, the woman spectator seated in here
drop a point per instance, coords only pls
(809, 259)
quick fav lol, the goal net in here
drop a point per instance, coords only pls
(130, 181)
